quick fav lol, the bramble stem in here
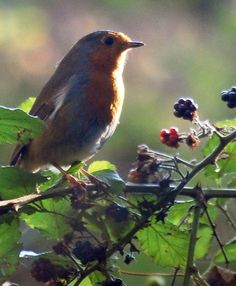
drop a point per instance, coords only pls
(192, 243)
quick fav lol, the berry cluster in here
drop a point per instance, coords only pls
(86, 252)
(44, 271)
(171, 137)
(117, 212)
(185, 108)
(229, 96)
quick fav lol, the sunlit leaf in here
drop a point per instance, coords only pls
(16, 126)
(85, 282)
(10, 247)
(230, 249)
(165, 244)
(203, 244)
(97, 278)
(52, 220)
(97, 166)
(27, 104)
(16, 182)
(106, 172)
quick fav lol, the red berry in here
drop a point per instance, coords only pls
(164, 132)
(173, 131)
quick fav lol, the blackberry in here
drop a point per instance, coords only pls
(117, 212)
(185, 108)
(43, 270)
(86, 252)
(128, 258)
(229, 96)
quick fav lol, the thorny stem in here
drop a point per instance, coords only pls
(224, 141)
(192, 243)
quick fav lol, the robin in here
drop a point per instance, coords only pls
(80, 104)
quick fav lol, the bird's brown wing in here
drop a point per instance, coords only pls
(43, 111)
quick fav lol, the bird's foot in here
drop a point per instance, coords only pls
(96, 181)
(80, 185)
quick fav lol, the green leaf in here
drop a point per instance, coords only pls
(10, 247)
(51, 221)
(27, 104)
(97, 278)
(203, 244)
(179, 211)
(226, 163)
(230, 249)
(165, 244)
(85, 282)
(16, 126)
(106, 171)
(101, 166)
(226, 123)
(16, 182)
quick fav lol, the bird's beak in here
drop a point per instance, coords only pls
(134, 44)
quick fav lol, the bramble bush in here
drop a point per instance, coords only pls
(167, 209)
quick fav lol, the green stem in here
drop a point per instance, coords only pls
(192, 243)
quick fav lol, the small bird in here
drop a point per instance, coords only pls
(80, 104)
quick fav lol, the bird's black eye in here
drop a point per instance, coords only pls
(108, 41)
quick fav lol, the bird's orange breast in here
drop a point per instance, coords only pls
(105, 96)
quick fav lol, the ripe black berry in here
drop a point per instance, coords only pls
(128, 258)
(43, 270)
(86, 252)
(185, 108)
(229, 96)
(117, 212)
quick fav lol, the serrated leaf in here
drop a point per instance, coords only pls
(27, 104)
(16, 182)
(226, 163)
(106, 172)
(165, 244)
(16, 126)
(52, 223)
(203, 244)
(10, 247)
(230, 249)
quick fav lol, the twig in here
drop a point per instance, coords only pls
(130, 188)
(174, 277)
(228, 216)
(131, 273)
(213, 227)
(192, 243)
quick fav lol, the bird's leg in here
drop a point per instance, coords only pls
(79, 184)
(94, 179)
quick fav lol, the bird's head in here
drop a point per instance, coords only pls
(106, 50)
